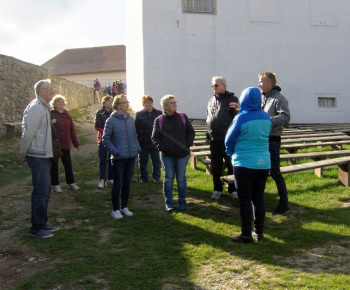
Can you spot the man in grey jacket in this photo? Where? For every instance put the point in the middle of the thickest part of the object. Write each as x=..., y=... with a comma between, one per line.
x=36, y=149
x=276, y=105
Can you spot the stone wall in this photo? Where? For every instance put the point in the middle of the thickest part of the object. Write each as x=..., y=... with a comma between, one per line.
x=17, y=79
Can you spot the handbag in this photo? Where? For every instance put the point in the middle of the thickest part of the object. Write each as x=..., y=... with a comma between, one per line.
x=56, y=147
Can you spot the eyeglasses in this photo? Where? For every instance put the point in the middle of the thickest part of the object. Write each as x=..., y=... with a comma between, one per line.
x=123, y=103
x=216, y=85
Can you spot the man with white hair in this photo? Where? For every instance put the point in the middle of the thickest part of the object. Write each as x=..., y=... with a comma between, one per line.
x=220, y=114
x=36, y=149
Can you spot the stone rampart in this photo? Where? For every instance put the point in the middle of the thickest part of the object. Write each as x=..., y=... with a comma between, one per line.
x=17, y=79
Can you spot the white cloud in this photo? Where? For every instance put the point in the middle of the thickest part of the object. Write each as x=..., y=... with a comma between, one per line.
x=37, y=30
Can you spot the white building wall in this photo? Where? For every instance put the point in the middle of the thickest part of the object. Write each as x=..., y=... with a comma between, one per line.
x=305, y=42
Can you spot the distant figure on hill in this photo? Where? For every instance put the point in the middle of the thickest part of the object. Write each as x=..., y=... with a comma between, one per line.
x=120, y=87
x=115, y=89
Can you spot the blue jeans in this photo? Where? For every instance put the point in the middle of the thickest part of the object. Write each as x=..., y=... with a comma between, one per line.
x=123, y=172
x=103, y=154
x=143, y=161
x=250, y=184
x=174, y=166
x=41, y=192
x=276, y=174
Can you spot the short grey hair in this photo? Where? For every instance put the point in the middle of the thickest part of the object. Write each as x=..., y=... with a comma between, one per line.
x=39, y=85
x=222, y=80
x=164, y=102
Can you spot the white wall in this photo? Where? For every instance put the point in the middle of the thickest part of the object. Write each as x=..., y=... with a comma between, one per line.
x=305, y=42
x=134, y=53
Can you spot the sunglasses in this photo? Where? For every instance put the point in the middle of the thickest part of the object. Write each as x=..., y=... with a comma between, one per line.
x=216, y=85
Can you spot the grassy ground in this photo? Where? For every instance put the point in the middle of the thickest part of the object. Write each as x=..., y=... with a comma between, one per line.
x=307, y=248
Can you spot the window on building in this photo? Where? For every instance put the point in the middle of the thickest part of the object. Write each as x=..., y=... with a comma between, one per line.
x=199, y=6
x=327, y=102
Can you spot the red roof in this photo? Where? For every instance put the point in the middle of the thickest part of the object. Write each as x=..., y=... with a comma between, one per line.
x=88, y=60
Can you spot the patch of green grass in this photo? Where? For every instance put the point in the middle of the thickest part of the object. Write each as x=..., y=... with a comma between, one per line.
x=153, y=249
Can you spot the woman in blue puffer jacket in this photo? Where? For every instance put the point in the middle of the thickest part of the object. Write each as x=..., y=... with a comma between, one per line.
x=119, y=137
x=247, y=142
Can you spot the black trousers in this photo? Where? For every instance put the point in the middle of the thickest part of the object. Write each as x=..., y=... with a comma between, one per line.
x=68, y=169
x=218, y=154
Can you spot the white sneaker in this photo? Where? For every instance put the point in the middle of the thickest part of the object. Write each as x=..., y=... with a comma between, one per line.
x=73, y=187
x=101, y=184
x=216, y=195
x=126, y=211
x=116, y=214
x=234, y=195
x=57, y=189
x=110, y=181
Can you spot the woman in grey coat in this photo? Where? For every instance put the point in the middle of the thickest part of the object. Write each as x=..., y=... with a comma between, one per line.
x=119, y=137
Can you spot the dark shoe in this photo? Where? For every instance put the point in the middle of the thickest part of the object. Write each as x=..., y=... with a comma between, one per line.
x=242, y=239
x=258, y=237
x=42, y=234
x=169, y=210
x=182, y=206
x=143, y=181
x=281, y=209
x=51, y=229
x=155, y=181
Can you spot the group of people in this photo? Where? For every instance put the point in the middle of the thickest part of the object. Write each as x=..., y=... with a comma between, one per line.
x=245, y=133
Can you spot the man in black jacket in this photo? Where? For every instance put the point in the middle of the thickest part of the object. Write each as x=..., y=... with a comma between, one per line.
x=220, y=113
x=144, y=120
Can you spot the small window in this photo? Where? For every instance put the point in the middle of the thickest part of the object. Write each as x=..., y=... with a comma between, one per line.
x=199, y=6
x=327, y=102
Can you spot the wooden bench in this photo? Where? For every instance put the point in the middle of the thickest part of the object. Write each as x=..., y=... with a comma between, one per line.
x=335, y=145
x=342, y=162
x=315, y=139
x=195, y=155
x=10, y=129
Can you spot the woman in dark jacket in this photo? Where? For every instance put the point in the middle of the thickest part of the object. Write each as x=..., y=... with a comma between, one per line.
x=100, y=119
x=173, y=135
x=65, y=130
x=144, y=121
x=120, y=139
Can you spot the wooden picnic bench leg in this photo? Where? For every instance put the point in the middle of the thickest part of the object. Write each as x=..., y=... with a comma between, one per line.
x=318, y=171
x=343, y=174
x=10, y=132
x=291, y=150
x=193, y=161
x=208, y=168
x=336, y=147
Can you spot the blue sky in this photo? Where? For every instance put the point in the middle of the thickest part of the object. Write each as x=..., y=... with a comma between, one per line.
x=37, y=30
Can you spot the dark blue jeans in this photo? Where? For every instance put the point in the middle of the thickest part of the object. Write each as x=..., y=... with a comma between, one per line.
x=41, y=192
x=276, y=174
x=143, y=161
x=218, y=154
x=250, y=184
x=123, y=172
x=104, y=155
